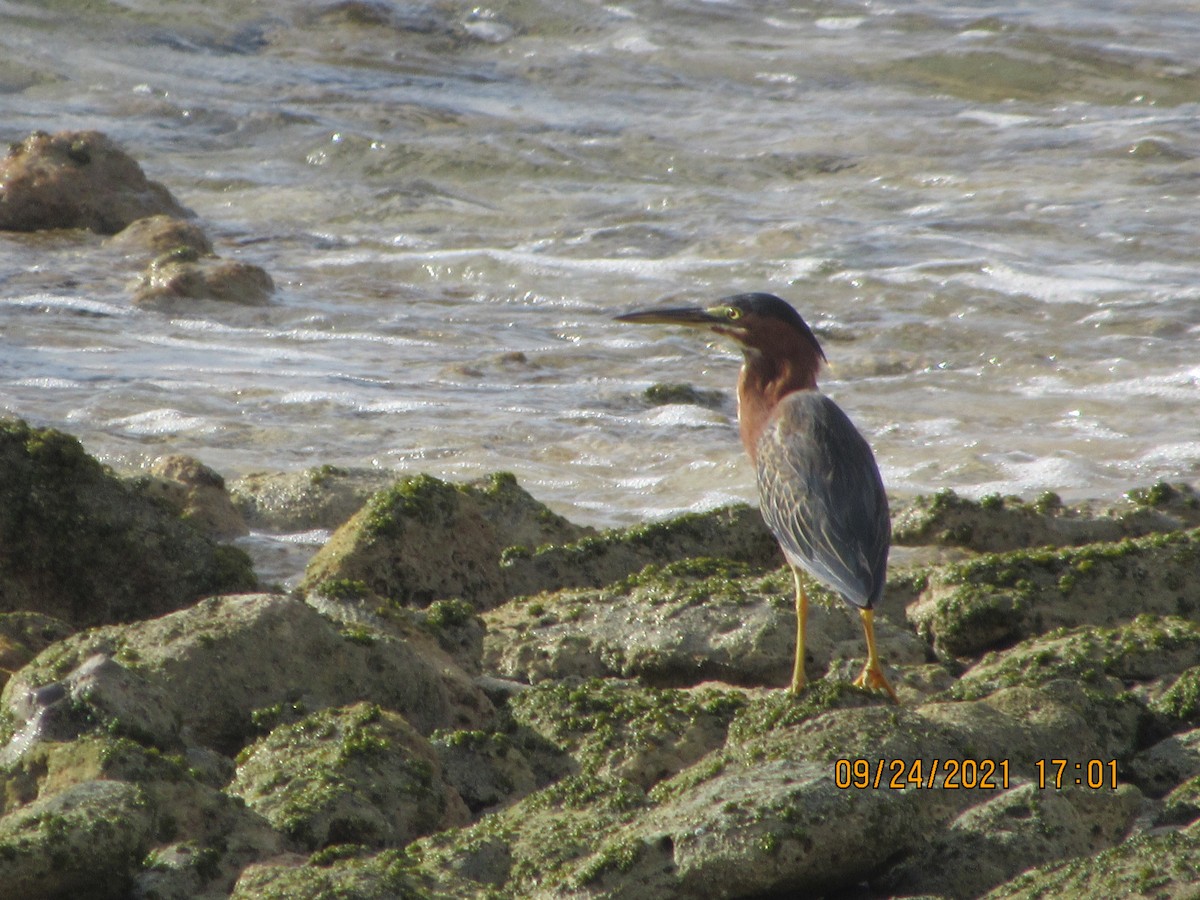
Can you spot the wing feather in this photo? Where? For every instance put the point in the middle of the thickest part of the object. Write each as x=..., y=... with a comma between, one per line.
x=822, y=496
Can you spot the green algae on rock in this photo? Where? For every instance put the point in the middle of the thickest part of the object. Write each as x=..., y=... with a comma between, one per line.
x=356, y=774
x=213, y=665
x=424, y=539
x=998, y=599
x=996, y=524
x=735, y=533
x=676, y=625
x=87, y=547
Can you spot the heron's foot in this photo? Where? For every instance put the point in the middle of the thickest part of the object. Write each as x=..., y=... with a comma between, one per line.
x=873, y=679
x=798, y=683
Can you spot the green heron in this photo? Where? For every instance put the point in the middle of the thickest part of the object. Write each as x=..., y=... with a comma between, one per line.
x=818, y=484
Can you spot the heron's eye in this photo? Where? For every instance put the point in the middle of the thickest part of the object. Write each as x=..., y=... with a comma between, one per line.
x=733, y=313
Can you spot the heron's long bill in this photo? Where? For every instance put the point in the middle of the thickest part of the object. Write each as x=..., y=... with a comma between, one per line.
x=682, y=315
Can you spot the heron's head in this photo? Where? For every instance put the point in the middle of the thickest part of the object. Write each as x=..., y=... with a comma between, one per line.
x=761, y=323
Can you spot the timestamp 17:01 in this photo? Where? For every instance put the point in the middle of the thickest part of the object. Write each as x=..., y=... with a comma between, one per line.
x=1092, y=773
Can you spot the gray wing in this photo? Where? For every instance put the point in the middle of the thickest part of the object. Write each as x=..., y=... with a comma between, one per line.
x=823, y=498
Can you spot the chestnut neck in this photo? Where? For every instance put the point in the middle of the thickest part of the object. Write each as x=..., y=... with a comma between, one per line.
x=766, y=378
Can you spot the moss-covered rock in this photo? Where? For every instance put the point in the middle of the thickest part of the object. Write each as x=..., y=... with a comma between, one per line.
x=352, y=775
x=996, y=600
x=626, y=731
x=682, y=624
x=23, y=635
x=424, y=539
x=86, y=841
x=86, y=547
x=735, y=533
x=996, y=524
x=218, y=665
x=1163, y=866
x=990, y=843
x=186, y=838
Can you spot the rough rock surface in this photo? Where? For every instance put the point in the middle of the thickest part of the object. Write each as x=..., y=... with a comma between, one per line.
x=181, y=276
x=151, y=237
x=84, y=546
x=76, y=179
x=197, y=494
x=324, y=497
x=352, y=775
x=424, y=539
x=616, y=732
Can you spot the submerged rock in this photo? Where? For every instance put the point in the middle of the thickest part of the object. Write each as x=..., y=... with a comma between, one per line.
x=323, y=497
x=181, y=276
x=151, y=237
x=86, y=547
x=76, y=179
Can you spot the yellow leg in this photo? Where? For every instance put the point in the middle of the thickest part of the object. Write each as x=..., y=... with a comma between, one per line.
x=801, y=620
x=872, y=677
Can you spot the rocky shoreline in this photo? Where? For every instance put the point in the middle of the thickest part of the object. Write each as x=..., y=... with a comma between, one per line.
x=469, y=696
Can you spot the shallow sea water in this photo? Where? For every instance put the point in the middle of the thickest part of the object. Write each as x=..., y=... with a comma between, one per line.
x=989, y=218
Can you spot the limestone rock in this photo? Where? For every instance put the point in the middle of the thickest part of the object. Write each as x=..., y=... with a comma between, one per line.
x=86, y=547
x=76, y=179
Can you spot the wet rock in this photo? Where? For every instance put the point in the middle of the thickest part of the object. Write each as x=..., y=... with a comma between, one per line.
x=178, y=278
x=663, y=394
x=228, y=666
x=85, y=841
x=324, y=497
x=682, y=624
x=23, y=635
x=76, y=179
x=197, y=494
x=735, y=533
x=424, y=539
x=86, y=547
x=151, y=237
x=354, y=775
x=998, y=524
x=998, y=599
